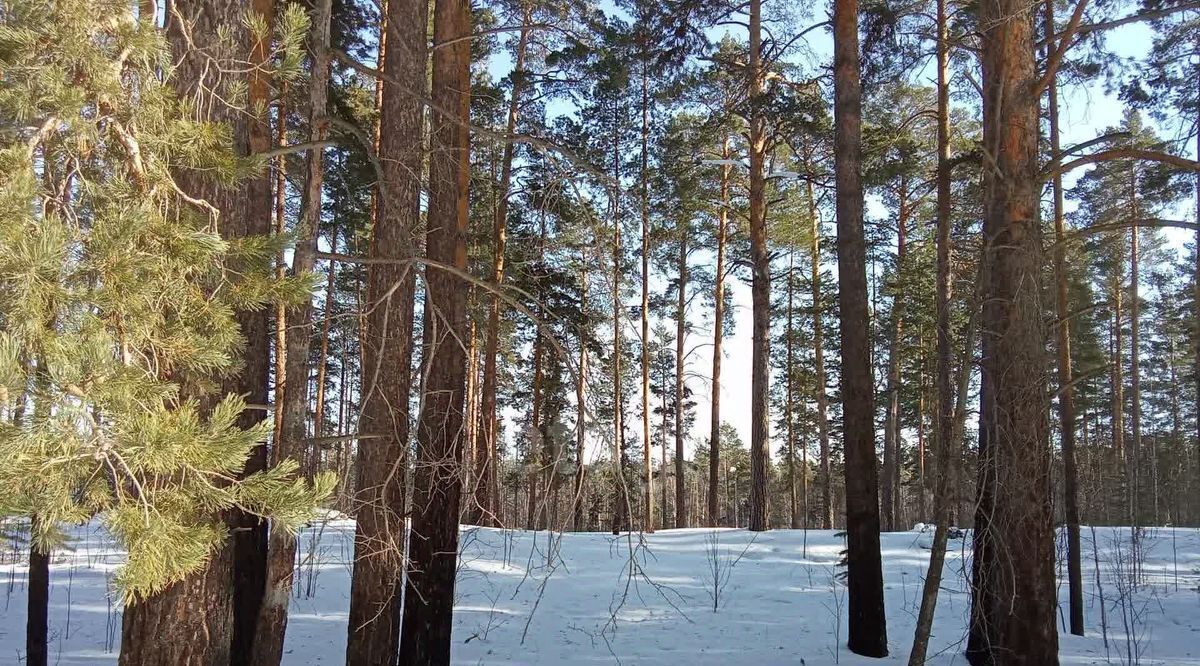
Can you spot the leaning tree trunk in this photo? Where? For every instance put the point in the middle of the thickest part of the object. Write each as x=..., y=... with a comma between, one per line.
x=819, y=367
x=208, y=617
x=433, y=544
x=387, y=346
x=1066, y=391
x=868, y=624
x=281, y=552
x=1013, y=609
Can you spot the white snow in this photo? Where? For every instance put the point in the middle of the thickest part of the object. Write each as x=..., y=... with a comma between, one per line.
x=536, y=598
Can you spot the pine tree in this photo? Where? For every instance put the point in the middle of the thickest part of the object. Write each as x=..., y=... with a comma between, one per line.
x=134, y=418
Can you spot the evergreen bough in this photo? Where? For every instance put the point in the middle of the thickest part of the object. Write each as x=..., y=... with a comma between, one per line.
x=118, y=294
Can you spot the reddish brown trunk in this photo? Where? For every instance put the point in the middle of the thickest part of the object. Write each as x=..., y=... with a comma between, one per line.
x=387, y=333
x=437, y=487
x=1013, y=609
x=485, y=494
x=647, y=468
x=868, y=624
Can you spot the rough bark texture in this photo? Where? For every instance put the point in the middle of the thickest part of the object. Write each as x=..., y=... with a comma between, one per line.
x=760, y=288
x=868, y=625
x=433, y=544
x=1013, y=610
x=281, y=553
x=1066, y=395
x=486, y=501
x=387, y=349
x=206, y=618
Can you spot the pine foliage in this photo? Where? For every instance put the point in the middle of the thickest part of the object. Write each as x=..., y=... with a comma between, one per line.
x=117, y=297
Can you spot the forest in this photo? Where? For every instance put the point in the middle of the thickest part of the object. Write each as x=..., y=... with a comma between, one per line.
x=420, y=332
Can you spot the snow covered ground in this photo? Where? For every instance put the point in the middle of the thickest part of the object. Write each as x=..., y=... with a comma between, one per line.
x=537, y=598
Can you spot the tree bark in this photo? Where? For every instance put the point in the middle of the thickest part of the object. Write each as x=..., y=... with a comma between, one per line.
x=387, y=347
x=1013, y=610
x=433, y=544
x=577, y=516
x=760, y=286
x=868, y=624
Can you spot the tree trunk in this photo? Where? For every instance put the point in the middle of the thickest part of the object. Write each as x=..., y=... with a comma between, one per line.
x=387, y=348
x=789, y=416
x=819, y=367
x=681, y=508
x=618, y=445
x=714, y=439
x=433, y=545
x=323, y=357
x=868, y=624
x=647, y=467
x=891, y=430
x=1012, y=617
x=281, y=552
x=1135, y=374
x=209, y=617
x=760, y=287
x=486, y=495
x=37, y=628
x=1066, y=395
x=577, y=518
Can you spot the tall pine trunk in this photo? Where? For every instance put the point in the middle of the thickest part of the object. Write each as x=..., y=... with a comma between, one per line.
x=868, y=625
x=818, y=340
x=890, y=486
x=1066, y=391
x=760, y=286
x=681, y=506
x=714, y=439
x=281, y=552
x=1013, y=609
x=644, y=176
x=387, y=346
x=437, y=482
x=485, y=495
